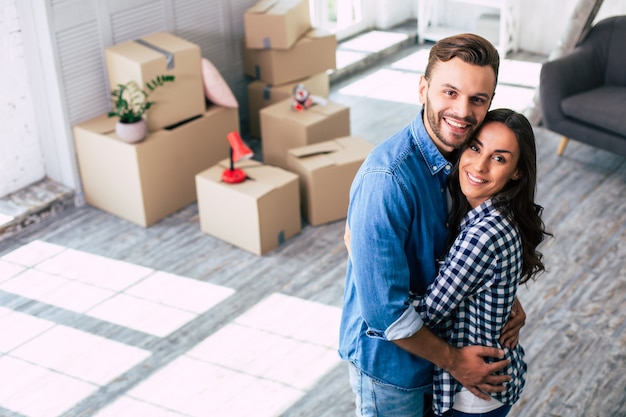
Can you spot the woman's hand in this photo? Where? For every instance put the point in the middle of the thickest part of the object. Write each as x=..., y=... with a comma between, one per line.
x=346, y=238
x=510, y=333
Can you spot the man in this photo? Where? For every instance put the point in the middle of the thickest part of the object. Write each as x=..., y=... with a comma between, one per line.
x=396, y=229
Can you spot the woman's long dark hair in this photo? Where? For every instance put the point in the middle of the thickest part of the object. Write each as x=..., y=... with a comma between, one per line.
x=517, y=197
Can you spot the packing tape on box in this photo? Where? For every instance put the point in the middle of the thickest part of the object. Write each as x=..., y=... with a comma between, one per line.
x=168, y=55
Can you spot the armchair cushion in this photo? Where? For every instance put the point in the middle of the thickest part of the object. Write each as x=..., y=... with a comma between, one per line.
x=603, y=107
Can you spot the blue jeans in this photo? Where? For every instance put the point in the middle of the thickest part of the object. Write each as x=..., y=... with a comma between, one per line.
x=377, y=399
x=500, y=412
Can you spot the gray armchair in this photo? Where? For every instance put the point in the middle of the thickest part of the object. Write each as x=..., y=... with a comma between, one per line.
x=583, y=93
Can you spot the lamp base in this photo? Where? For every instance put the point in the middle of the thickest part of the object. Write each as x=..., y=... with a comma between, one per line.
x=233, y=176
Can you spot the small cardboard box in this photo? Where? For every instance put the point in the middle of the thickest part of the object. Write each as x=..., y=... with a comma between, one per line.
x=326, y=171
x=146, y=181
x=162, y=53
x=276, y=24
x=261, y=95
x=256, y=215
x=313, y=53
x=283, y=128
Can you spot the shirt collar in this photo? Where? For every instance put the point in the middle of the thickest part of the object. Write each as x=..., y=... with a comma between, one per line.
x=474, y=215
x=432, y=156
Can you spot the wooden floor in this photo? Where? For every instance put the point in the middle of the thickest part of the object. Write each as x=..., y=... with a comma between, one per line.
x=575, y=337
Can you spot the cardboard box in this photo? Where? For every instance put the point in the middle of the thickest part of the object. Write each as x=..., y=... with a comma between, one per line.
x=276, y=24
x=313, y=53
x=326, y=171
x=283, y=128
x=256, y=215
x=261, y=95
x=161, y=53
x=146, y=181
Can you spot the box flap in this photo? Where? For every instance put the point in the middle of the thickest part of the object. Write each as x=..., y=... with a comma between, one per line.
x=260, y=179
x=330, y=108
x=313, y=114
x=336, y=152
x=322, y=148
x=102, y=125
x=317, y=33
x=354, y=148
x=169, y=42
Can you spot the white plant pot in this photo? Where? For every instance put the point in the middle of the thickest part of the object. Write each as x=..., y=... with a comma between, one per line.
x=131, y=132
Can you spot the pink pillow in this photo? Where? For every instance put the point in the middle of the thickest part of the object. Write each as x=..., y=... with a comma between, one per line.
x=215, y=88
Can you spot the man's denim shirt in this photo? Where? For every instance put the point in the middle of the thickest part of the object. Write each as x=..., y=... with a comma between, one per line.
x=397, y=218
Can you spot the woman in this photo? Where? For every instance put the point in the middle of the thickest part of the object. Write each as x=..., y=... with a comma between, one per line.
x=495, y=227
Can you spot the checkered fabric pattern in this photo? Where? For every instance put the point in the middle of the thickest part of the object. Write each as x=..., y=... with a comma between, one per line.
x=471, y=299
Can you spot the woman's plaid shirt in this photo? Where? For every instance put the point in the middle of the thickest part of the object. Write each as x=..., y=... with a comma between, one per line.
x=471, y=299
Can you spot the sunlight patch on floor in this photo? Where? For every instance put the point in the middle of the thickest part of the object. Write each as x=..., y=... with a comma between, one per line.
x=52, y=366
x=414, y=62
x=386, y=84
x=516, y=98
x=347, y=58
x=519, y=73
x=260, y=363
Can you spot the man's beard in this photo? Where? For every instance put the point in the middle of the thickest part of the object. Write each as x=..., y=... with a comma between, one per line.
x=435, y=120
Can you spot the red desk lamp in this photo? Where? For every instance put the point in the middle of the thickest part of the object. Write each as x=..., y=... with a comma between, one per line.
x=238, y=152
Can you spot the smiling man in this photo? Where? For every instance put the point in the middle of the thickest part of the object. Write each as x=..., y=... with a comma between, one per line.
x=397, y=230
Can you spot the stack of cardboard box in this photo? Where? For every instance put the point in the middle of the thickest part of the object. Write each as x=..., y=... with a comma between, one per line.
x=281, y=50
x=146, y=181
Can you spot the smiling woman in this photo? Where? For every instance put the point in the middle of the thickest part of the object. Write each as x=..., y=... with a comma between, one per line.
x=496, y=227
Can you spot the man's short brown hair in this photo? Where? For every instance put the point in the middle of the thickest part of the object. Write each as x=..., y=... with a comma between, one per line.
x=469, y=47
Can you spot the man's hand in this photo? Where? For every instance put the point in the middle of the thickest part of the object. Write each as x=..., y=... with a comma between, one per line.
x=470, y=369
x=467, y=365
x=510, y=333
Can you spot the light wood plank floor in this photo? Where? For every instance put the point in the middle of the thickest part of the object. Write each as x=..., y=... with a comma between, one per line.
x=575, y=335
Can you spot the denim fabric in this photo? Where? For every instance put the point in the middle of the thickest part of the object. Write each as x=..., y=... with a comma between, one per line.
x=499, y=412
x=376, y=399
x=397, y=218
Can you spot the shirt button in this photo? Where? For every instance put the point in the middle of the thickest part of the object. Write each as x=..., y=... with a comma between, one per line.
x=448, y=167
x=434, y=167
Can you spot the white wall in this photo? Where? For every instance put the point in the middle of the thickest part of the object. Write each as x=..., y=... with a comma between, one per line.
x=542, y=22
x=21, y=161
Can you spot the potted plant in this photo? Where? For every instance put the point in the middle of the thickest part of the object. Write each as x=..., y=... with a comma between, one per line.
x=130, y=102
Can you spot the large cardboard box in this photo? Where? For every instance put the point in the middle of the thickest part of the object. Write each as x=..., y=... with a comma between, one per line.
x=313, y=53
x=146, y=181
x=276, y=24
x=326, y=171
x=261, y=95
x=162, y=53
x=256, y=215
x=283, y=128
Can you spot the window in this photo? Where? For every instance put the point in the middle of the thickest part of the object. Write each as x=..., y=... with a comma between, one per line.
x=344, y=18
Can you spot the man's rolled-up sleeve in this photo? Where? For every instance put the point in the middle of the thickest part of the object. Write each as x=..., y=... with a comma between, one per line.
x=379, y=227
